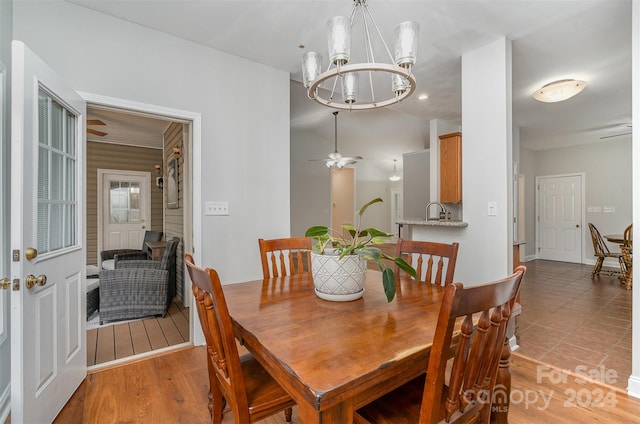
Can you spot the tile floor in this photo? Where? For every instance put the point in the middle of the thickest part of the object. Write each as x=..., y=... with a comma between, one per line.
x=569, y=319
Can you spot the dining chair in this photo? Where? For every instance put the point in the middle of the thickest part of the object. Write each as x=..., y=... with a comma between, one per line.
x=241, y=382
x=472, y=378
x=601, y=252
x=429, y=259
x=626, y=258
x=285, y=256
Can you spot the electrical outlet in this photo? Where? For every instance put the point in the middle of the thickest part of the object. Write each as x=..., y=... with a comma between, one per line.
x=216, y=208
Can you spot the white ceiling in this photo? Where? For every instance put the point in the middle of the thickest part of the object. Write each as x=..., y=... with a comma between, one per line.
x=583, y=39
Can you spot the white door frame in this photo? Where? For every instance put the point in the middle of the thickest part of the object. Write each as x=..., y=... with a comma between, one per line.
x=5, y=295
x=582, y=214
x=192, y=212
x=145, y=176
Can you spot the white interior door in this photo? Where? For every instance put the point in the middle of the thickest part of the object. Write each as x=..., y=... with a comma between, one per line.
x=48, y=346
x=125, y=208
x=560, y=218
x=396, y=209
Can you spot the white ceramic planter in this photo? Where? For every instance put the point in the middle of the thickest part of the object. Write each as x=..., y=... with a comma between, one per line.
x=339, y=280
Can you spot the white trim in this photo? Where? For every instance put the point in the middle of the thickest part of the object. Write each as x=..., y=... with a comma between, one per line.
x=633, y=387
x=192, y=238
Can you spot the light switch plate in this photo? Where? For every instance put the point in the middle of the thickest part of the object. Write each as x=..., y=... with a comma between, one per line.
x=216, y=208
x=594, y=209
x=492, y=208
x=609, y=209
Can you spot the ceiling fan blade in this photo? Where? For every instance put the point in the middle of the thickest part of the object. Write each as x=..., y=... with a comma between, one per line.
x=615, y=135
x=95, y=122
x=96, y=132
x=352, y=158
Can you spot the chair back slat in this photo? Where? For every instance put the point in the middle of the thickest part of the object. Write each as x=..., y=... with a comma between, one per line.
x=285, y=256
x=599, y=246
x=224, y=360
x=478, y=351
x=425, y=255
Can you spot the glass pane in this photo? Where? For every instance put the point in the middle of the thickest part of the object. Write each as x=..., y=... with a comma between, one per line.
x=125, y=202
x=57, y=125
x=55, y=228
x=57, y=176
x=43, y=118
x=43, y=173
x=57, y=173
x=43, y=227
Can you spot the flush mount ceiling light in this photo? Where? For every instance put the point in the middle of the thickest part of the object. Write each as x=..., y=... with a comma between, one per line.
x=345, y=76
x=395, y=176
x=558, y=91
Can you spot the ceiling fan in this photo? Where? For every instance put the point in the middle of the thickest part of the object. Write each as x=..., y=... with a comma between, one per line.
x=95, y=132
x=335, y=159
x=623, y=132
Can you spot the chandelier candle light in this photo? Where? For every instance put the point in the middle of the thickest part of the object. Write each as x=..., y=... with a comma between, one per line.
x=400, y=84
x=395, y=176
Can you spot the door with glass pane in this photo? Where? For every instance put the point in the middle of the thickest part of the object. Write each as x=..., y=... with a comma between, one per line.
x=48, y=299
x=125, y=206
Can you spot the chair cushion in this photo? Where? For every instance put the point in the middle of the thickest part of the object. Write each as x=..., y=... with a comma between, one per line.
x=108, y=264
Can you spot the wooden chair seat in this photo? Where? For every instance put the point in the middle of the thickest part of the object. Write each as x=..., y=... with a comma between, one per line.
x=467, y=395
x=241, y=383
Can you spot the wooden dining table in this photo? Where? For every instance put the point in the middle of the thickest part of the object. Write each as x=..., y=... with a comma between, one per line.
x=334, y=357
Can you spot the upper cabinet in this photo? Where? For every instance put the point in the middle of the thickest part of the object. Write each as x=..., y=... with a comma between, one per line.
x=451, y=168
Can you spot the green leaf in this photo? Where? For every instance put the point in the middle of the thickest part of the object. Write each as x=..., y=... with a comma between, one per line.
x=374, y=232
x=365, y=206
x=370, y=253
x=316, y=231
x=389, y=283
x=349, y=228
x=405, y=267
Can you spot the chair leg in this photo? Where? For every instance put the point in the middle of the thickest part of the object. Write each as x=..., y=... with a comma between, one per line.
x=597, y=267
x=287, y=415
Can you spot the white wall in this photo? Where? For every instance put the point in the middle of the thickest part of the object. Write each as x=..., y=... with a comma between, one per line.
x=244, y=157
x=607, y=167
x=5, y=136
x=634, y=379
x=486, y=244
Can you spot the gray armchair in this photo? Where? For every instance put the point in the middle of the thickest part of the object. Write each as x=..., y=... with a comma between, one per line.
x=139, y=288
x=109, y=255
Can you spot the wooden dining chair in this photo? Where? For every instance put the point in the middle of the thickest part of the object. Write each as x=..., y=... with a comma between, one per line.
x=241, y=382
x=626, y=258
x=428, y=259
x=601, y=252
x=285, y=256
x=472, y=377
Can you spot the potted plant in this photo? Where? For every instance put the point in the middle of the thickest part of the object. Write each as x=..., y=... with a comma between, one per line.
x=348, y=255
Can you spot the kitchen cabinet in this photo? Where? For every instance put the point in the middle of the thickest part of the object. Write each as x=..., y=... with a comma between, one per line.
x=451, y=168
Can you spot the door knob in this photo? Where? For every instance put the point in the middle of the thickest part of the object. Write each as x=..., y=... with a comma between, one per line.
x=577, y=225
x=5, y=283
x=31, y=253
x=32, y=280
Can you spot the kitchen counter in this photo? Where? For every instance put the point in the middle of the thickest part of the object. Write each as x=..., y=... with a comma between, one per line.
x=432, y=223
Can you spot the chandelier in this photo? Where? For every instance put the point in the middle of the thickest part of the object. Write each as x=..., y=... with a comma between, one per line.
x=395, y=176
x=345, y=76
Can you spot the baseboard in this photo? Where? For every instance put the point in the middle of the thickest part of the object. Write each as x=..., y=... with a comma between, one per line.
x=633, y=387
x=513, y=343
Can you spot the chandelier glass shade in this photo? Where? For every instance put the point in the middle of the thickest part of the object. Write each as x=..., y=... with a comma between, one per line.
x=389, y=82
x=395, y=176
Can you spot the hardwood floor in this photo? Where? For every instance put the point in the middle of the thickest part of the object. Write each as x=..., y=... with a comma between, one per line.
x=173, y=388
x=122, y=340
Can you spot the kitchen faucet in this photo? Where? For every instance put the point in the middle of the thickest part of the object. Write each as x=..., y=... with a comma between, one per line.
x=441, y=215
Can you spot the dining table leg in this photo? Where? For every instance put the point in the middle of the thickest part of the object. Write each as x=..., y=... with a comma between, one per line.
x=339, y=414
x=502, y=391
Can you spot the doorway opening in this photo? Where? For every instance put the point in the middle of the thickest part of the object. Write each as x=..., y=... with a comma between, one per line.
x=142, y=142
